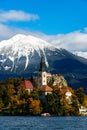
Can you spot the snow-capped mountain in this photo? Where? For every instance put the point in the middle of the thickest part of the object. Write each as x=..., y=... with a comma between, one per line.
x=21, y=56
x=21, y=46
x=23, y=52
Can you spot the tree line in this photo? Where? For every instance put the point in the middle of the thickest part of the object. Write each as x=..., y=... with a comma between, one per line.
x=20, y=102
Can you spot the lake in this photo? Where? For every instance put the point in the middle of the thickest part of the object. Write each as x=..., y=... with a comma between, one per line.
x=42, y=123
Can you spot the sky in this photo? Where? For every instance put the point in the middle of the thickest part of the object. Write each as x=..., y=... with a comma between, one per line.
x=60, y=22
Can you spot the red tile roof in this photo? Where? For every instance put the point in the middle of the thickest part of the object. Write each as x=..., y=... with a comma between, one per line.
x=27, y=84
x=45, y=88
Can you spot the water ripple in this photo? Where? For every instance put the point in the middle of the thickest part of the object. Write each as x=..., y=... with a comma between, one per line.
x=42, y=123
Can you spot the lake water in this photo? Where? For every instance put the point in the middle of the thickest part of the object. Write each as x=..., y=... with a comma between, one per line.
x=42, y=123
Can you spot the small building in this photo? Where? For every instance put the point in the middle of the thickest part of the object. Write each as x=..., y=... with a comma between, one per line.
x=83, y=110
x=44, y=90
x=27, y=85
x=68, y=95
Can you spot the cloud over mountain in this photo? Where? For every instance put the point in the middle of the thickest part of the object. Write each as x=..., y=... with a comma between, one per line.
x=72, y=41
x=7, y=32
x=75, y=42
x=80, y=53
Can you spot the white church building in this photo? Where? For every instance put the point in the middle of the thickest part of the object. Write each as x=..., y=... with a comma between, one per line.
x=43, y=88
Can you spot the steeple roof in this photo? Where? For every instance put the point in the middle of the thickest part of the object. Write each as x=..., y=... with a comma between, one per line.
x=42, y=68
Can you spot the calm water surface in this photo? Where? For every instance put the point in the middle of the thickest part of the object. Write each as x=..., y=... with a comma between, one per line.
x=42, y=123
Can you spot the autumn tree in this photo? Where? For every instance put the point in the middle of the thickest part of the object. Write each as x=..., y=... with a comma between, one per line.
x=80, y=95
x=85, y=101
x=54, y=103
x=34, y=107
x=75, y=105
x=34, y=94
x=23, y=94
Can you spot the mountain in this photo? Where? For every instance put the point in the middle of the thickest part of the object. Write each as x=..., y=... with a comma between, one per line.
x=20, y=56
x=21, y=49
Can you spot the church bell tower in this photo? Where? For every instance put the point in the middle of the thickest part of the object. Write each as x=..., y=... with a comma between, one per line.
x=42, y=76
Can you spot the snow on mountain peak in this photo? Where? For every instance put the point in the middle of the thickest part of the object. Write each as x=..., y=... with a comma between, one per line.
x=23, y=45
x=21, y=41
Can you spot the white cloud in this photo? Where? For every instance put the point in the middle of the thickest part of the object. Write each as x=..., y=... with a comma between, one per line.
x=7, y=32
x=74, y=41
x=13, y=15
x=81, y=54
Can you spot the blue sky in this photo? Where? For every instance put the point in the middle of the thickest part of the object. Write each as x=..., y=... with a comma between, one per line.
x=55, y=16
x=61, y=22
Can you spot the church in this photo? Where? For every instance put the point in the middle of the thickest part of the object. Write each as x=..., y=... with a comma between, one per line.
x=59, y=80
x=43, y=88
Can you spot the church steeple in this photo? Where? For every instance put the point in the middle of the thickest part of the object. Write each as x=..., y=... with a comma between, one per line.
x=42, y=75
x=42, y=68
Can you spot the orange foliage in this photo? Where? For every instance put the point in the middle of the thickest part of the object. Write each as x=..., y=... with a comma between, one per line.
x=34, y=106
x=85, y=101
